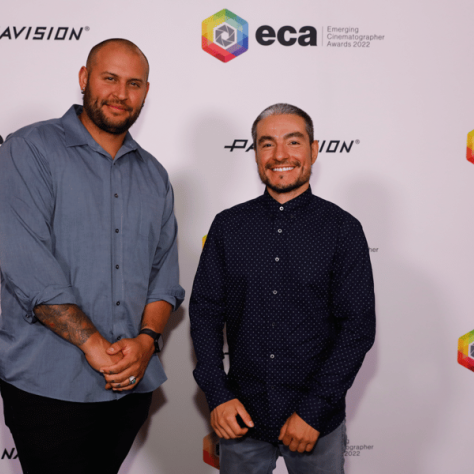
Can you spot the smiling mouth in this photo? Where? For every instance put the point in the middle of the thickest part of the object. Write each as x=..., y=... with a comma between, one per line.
x=285, y=168
x=118, y=107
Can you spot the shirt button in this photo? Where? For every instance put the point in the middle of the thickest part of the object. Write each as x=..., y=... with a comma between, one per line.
x=118, y=303
x=116, y=231
x=118, y=338
x=117, y=267
x=275, y=292
x=280, y=231
x=272, y=356
x=116, y=195
x=277, y=259
x=281, y=208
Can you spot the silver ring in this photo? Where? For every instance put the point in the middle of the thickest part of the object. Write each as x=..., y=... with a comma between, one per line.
x=132, y=379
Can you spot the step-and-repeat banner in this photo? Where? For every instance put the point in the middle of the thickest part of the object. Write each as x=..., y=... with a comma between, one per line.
x=390, y=88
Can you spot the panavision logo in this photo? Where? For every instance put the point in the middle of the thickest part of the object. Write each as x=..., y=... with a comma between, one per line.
x=225, y=35
x=9, y=454
x=466, y=350
x=325, y=146
x=470, y=147
x=54, y=33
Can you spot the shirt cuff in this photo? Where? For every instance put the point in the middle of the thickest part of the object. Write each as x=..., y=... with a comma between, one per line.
x=316, y=411
x=172, y=296
x=49, y=296
x=218, y=396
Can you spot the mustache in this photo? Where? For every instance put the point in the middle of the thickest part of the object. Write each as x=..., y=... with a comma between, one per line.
x=117, y=102
x=282, y=164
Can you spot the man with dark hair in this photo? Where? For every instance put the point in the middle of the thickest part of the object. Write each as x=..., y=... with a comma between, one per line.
x=288, y=274
x=89, y=274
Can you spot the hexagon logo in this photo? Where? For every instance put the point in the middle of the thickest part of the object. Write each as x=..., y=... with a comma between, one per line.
x=210, y=450
x=225, y=35
x=466, y=350
x=470, y=147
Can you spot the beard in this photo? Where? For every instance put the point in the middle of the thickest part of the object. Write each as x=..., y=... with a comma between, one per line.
x=285, y=188
x=94, y=111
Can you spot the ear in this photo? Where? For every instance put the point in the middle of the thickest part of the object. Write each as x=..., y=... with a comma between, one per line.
x=83, y=76
x=314, y=151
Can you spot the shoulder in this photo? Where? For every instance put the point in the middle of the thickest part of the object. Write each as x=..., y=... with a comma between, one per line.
x=329, y=211
x=245, y=210
x=157, y=170
x=36, y=133
x=33, y=144
x=235, y=217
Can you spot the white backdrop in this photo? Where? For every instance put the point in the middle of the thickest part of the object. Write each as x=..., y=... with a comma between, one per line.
x=405, y=101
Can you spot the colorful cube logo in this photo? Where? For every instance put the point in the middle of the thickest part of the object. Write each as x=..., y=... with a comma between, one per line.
x=470, y=147
x=210, y=450
x=466, y=350
x=225, y=35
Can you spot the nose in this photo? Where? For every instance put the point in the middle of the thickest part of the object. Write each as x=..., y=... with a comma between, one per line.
x=121, y=91
x=281, y=152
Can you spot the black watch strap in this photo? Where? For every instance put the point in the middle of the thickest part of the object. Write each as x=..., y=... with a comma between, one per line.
x=157, y=339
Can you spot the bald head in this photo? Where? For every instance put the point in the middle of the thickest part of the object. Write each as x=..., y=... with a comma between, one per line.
x=119, y=42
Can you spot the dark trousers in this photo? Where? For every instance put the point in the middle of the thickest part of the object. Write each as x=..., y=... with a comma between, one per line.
x=59, y=437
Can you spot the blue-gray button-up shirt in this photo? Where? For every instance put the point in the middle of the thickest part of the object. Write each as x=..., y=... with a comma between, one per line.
x=77, y=227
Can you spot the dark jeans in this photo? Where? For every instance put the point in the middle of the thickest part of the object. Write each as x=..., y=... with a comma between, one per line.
x=59, y=437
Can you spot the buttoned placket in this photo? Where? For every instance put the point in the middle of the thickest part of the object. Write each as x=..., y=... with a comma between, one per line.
x=116, y=197
x=278, y=239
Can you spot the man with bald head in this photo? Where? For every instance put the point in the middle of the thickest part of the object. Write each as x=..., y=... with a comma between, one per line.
x=89, y=273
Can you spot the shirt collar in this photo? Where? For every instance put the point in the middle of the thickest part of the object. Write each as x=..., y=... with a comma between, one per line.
x=296, y=204
x=76, y=134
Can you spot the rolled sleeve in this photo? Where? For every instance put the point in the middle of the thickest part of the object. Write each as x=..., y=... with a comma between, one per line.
x=26, y=211
x=164, y=276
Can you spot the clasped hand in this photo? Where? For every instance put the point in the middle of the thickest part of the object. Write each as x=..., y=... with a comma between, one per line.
x=298, y=435
x=136, y=354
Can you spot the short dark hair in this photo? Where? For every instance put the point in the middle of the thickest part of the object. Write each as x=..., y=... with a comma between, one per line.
x=284, y=109
x=123, y=42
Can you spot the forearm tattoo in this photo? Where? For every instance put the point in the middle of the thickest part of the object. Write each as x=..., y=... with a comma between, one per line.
x=66, y=320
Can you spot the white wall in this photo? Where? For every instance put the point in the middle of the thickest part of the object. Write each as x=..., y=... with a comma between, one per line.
x=408, y=101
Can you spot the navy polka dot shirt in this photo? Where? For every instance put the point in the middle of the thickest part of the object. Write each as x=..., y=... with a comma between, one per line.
x=292, y=284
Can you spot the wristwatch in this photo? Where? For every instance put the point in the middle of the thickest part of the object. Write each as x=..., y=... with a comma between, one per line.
x=157, y=339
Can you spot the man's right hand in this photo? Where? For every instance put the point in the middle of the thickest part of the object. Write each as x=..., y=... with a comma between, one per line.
x=224, y=419
x=69, y=322
x=95, y=351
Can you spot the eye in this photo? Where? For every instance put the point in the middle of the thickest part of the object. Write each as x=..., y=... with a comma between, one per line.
x=135, y=84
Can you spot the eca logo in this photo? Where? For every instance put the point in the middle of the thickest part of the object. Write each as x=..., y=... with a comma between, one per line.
x=466, y=350
x=470, y=147
x=225, y=35
x=287, y=36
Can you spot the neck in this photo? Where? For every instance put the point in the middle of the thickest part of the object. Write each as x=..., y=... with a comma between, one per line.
x=285, y=197
x=108, y=141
